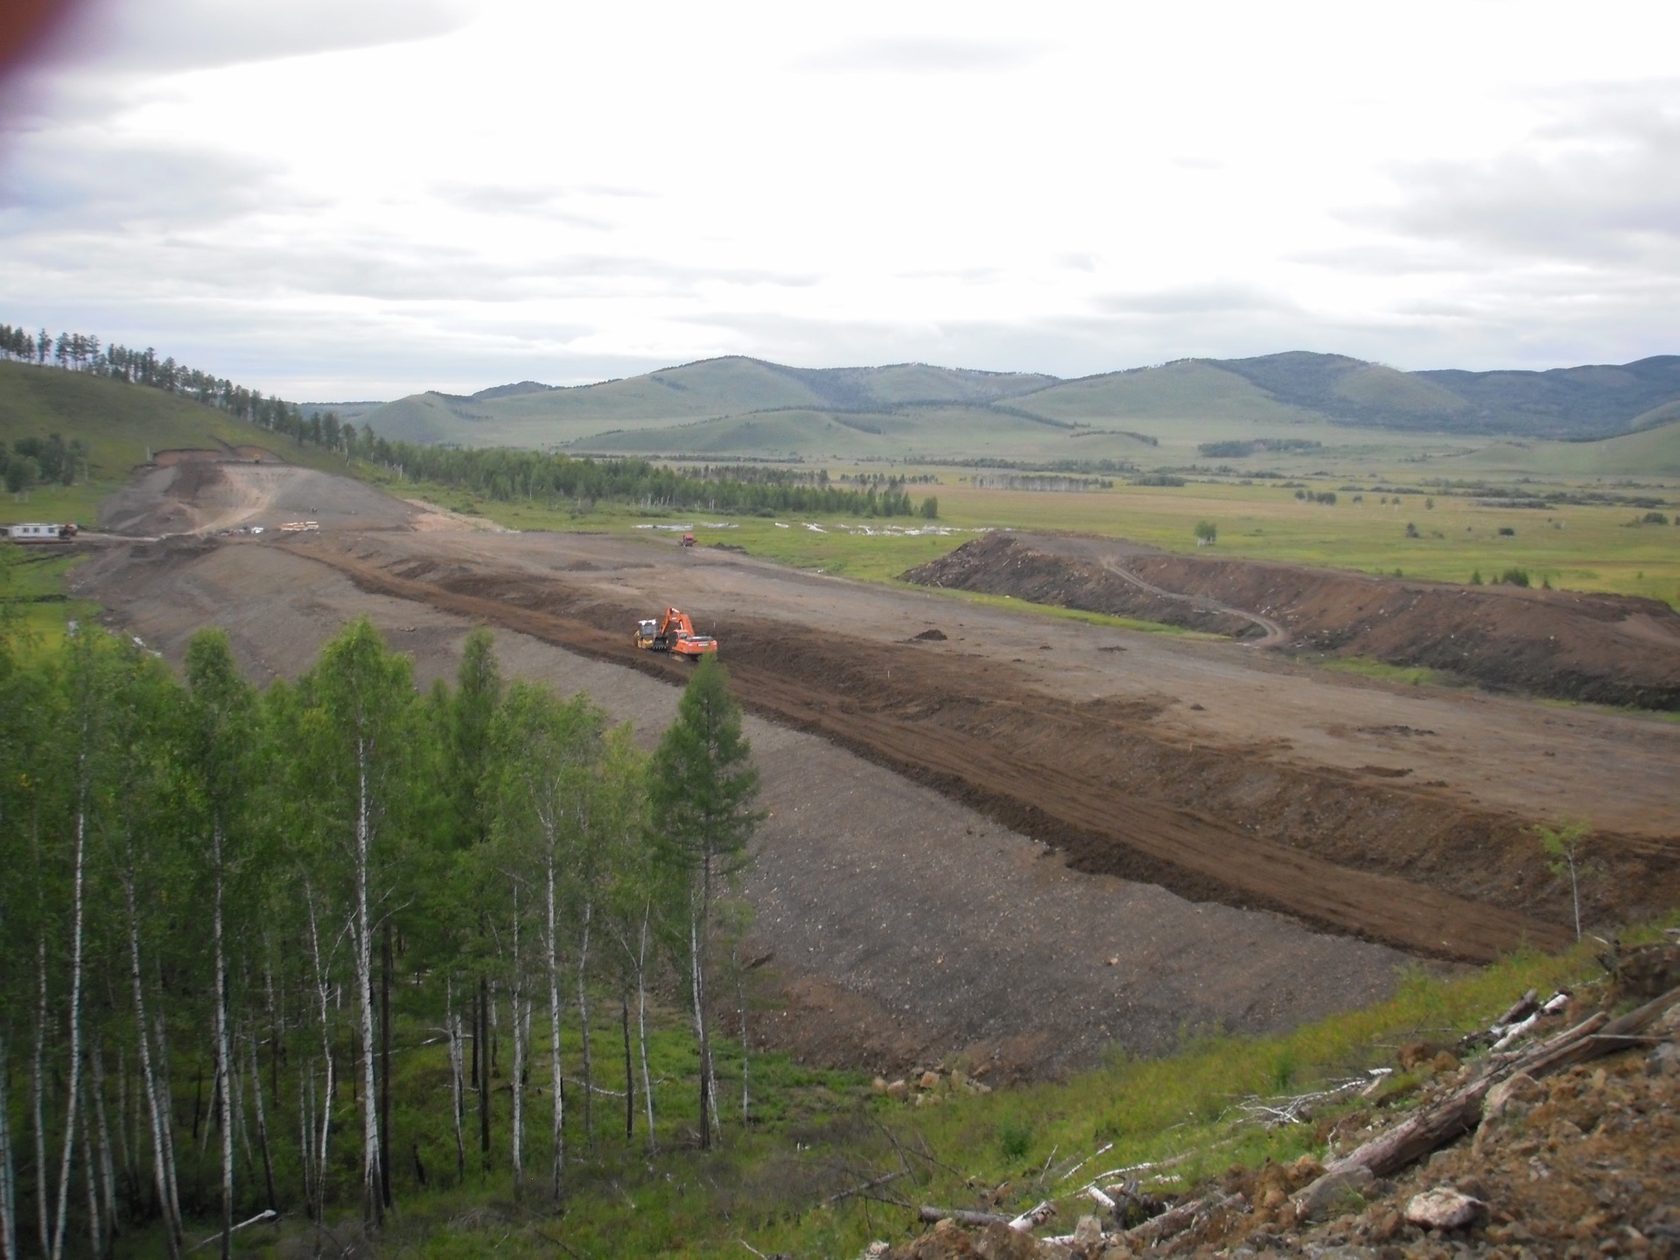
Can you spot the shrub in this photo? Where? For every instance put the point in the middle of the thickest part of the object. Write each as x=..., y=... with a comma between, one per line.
x=1411, y=530
x=1206, y=531
x=1014, y=1139
x=1514, y=577
x=1507, y=531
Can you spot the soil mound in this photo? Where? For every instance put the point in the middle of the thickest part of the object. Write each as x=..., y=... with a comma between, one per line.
x=1006, y=564
x=1609, y=649
x=207, y=491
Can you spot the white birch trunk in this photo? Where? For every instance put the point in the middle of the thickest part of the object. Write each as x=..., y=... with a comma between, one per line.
x=126, y=1138
x=324, y=991
x=241, y=1125
x=457, y=1114
x=107, y=1165
x=224, y=1073
x=262, y=1119
x=166, y=1116
x=373, y=1200
x=696, y=975
x=700, y=932
x=73, y=1092
x=306, y=1135
x=555, y=1068
x=518, y=1081
x=583, y=1021
x=90, y=1182
x=641, y=1025
x=148, y=1078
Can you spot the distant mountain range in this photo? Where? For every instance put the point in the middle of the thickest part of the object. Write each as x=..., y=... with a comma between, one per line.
x=730, y=407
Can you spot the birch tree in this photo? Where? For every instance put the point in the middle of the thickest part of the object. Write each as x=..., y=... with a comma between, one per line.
x=363, y=697
x=145, y=857
x=24, y=709
x=639, y=887
x=546, y=751
x=468, y=789
x=702, y=788
x=219, y=730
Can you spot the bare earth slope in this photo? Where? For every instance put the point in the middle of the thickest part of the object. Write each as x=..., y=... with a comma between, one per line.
x=1020, y=808
x=1612, y=649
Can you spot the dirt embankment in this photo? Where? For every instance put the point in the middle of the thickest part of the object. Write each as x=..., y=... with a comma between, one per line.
x=1609, y=649
x=1100, y=785
x=906, y=922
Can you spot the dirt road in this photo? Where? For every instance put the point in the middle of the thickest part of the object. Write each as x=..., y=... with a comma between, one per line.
x=1031, y=839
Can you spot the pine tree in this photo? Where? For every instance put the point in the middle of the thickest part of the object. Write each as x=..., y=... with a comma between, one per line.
x=703, y=786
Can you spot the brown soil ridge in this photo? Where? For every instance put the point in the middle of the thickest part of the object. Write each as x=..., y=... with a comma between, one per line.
x=1041, y=766
x=1606, y=649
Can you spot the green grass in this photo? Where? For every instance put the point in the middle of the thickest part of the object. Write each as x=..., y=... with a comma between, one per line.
x=1587, y=548
x=819, y=1133
x=121, y=425
x=1365, y=667
x=32, y=584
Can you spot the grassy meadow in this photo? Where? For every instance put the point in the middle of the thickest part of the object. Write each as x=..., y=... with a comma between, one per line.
x=1575, y=547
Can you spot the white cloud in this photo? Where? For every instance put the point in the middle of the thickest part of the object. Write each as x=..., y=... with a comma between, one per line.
x=555, y=192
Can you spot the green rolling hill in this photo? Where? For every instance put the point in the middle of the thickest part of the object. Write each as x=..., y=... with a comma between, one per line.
x=544, y=417
x=1189, y=390
x=736, y=406
x=121, y=424
x=920, y=432
x=1589, y=401
x=1649, y=452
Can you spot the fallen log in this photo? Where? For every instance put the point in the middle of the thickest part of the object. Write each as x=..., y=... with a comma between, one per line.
x=267, y=1214
x=1033, y=1217
x=1179, y=1218
x=1024, y=1223
x=1461, y=1111
x=930, y=1215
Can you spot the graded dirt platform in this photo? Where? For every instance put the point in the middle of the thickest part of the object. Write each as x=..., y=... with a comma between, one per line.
x=1020, y=844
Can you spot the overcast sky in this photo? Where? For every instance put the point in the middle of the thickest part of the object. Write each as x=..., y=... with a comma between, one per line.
x=352, y=199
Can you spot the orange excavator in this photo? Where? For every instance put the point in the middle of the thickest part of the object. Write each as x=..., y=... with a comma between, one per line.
x=673, y=633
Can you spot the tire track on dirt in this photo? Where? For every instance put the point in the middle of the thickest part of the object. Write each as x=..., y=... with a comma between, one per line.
x=1185, y=851
x=1275, y=635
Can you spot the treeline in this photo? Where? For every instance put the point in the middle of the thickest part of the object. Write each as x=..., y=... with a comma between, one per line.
x=79, y=352
x=1040, y=482
x=1235, y=448
x=497, y=473
x=33, y=461
x=231, y=916
x=505, y=474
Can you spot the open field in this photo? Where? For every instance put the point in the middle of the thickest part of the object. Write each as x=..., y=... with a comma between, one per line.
x=957, y=821
x=1586, y=547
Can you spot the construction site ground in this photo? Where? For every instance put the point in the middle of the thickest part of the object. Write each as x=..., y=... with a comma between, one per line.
x=993, y=837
